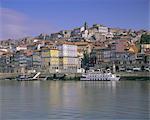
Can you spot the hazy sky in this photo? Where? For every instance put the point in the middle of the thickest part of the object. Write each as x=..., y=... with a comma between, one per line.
x=19, y=18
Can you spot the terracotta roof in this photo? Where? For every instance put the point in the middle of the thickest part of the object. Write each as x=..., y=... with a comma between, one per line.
x=133, y=48
x=7, y=53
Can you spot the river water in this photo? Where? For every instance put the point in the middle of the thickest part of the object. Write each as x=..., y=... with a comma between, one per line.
x=73, y=100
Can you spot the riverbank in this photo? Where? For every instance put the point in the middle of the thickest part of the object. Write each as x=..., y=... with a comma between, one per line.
x=8, y=75
x=134, y=75
x=76, y=76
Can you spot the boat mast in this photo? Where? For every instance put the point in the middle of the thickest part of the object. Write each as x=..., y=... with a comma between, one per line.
x=114, y=67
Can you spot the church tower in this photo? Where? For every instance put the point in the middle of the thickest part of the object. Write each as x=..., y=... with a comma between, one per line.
x=85, y=26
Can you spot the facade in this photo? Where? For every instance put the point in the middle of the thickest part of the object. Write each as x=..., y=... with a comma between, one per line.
x=7, y=63
x=56, y=36
x=145, y=48
x=116, y=53
x=66, y=33
x=36, y=60
x=99, y=37
x=100, y=57
x=100, y=29
x=22, y=62
x=104, y=46
x=50, y=59
x=68, y=58
x=23, y=47
x=54, y=60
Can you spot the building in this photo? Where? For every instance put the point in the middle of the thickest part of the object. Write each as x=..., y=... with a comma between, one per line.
x=55, y=36
x=99, y=28
x=36, y=60
x=50, y=59
x=54, y=60
x=23, y=61
x=65, y=33
x=119, y=53
x=21, y=47
x=100, y=57
x=68, y=59
x=7, y=63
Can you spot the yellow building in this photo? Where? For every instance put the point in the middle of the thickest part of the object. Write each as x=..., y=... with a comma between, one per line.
x=50, y=59
x=54, y=60
x=68, y=58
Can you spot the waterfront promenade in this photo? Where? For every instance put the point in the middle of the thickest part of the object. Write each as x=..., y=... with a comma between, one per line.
x=78, y=75
x=8, y=75
x=138, y=74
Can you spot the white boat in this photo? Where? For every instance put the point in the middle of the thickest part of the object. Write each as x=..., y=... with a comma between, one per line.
x=25, y=78
x=99, y=76
x=29, y=78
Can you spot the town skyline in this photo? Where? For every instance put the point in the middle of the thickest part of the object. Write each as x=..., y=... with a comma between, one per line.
x=75, y=27
x=29, y=18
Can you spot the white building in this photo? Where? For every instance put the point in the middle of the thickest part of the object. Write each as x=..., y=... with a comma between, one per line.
x=85, y=34
x=68, y=58
x=98, y=31
x=67, y=50
x=102, y=29
x=23, y=47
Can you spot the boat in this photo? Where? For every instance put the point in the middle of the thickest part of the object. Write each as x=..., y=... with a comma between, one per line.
x=29, y=78
x=99, y=76
x=25, y=78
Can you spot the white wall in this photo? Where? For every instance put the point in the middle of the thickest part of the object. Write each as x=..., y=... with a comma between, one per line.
x=68, y=50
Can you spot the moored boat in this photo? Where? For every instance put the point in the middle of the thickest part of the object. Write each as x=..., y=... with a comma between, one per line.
x=25, y=78
x=29, y=78
x=99, y=76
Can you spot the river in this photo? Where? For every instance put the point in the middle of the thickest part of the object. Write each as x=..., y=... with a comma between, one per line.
x=73, y=100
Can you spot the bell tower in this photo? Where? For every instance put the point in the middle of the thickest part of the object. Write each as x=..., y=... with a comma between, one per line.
x=85, y=26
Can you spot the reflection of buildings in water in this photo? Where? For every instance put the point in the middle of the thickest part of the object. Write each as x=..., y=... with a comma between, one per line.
x=69, y=93
x=98, y=83
x=55, y=91
x=110, y=85
x=29, y=91
x=36, y=83
x=100, y=95
x=29, y=86
x=33, y=87
x=63, y=93
x=26, y=83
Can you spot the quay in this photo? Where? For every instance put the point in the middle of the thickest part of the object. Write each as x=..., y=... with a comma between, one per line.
x=8, y=75
x=134, y=75
x=76, y=76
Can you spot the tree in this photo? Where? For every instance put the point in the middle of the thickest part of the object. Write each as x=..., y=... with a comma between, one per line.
x=145, y=39
x=85, y=60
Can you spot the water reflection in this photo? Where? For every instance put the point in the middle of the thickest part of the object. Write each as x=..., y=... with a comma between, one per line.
x=74, y=100
x=63, y=94
x=100, y=84
x=109, y=85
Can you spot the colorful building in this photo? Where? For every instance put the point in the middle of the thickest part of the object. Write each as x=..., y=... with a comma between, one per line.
x=68, y=58
x=50, y=59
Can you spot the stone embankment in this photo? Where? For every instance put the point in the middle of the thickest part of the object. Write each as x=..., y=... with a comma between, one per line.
x=134, y=75
x=8, y=75
x=76, y=76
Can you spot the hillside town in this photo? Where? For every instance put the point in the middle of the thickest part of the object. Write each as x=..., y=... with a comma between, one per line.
x=77, y=50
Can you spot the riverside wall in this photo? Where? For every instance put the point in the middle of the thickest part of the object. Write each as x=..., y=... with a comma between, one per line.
x=134, y=75
x=71, y=76
x=8, y=75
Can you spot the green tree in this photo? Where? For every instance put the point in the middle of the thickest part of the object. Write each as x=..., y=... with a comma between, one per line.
x=85, y=60
x=145, y=39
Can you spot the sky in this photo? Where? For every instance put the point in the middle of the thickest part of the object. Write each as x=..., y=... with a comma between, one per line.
x=20, y=18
